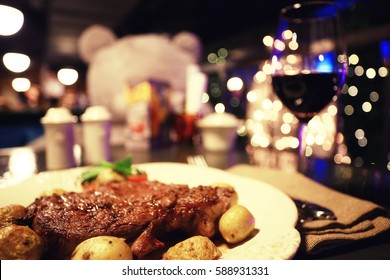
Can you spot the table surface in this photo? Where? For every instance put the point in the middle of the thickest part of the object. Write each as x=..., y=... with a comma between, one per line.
x=364, y=183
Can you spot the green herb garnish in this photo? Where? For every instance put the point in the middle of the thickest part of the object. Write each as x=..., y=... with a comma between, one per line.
x=123, y=167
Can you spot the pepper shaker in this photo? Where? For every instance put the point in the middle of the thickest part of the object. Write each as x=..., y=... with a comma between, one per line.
x=96, y=127
x=59, y=136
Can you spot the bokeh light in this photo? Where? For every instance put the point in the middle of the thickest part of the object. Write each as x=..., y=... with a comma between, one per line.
x=235, y=84
x=11, y=20
x=21, y=84
x=16, y=62
x=67, y=76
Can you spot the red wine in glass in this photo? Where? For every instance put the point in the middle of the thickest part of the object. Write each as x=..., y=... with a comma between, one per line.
x=309, y=61
x=306, y=94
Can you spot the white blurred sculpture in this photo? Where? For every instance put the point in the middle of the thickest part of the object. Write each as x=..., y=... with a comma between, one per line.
x=116, y=63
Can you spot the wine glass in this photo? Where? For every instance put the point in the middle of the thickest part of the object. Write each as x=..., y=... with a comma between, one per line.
x=309, y=61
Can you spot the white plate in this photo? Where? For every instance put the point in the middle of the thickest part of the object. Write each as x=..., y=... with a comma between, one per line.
x=275, y=213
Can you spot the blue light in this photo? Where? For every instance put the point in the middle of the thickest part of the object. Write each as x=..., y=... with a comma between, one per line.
x=385, y=49
x=324, y=62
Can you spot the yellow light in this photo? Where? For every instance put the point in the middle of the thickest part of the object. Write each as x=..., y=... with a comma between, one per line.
x=342, y=58
x=268, y=41
x=260, y=77
x=219, y=108
x=222, y=52
x=297, y=5
x=11, y=20
x=16, y=62
x=383, y=72
x=288, y=117
x=370, y=73
x=308, y=151
x=327, y=146
x=346, y=160
x=353, y=91
x=260, y=140
x=205, y=97
x=258, y=127
x=319, y=139
x=310, y=139
x=286, y=142
x=251, y=96
x=353, y=59
x=235, y=84
x=287, y=34
x=339, y=158
x=366, y=106
x=268, y=68
x=221, y=61
x=267, y=104
x=277, y=105
x=258, y=115
x=294, y=142
x=293, y=45
x=212, y=58
x=285, y=128
x=21, y=84
x=279, y=45
x=359, y=133
x=292, y=58
x=332, y=110
x=67, y=76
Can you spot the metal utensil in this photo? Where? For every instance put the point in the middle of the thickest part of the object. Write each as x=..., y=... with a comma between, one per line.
x=308, y=211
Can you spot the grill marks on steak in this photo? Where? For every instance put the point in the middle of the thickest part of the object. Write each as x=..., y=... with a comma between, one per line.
x=139, y=212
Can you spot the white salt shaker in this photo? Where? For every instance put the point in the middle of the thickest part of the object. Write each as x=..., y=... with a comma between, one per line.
x=96, y=125
x=218, y=131
x=60, y=139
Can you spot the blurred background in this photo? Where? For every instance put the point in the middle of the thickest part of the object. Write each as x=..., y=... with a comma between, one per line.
x=236, y=37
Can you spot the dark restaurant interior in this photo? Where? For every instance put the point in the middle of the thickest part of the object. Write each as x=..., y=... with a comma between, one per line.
x=228, y=45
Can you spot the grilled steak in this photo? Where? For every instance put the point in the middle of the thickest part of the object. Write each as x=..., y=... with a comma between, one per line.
x=139, y=212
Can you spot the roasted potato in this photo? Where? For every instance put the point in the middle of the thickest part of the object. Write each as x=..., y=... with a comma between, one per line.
x=102, y=248
x=194, y=248
x=9, y=214
x=236, y=224
x=20, y=243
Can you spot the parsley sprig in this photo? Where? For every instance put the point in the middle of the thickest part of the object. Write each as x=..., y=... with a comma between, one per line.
x=123, y=167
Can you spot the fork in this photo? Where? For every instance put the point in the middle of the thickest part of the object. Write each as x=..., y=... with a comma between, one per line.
x=197, y=160
x=307, y=211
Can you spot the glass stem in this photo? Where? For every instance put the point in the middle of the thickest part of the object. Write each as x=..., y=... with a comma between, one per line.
x=302, y=160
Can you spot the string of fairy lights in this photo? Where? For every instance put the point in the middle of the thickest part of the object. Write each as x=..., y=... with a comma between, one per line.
x=269, y=124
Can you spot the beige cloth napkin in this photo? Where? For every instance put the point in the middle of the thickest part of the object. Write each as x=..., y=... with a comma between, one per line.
x=356, y=218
